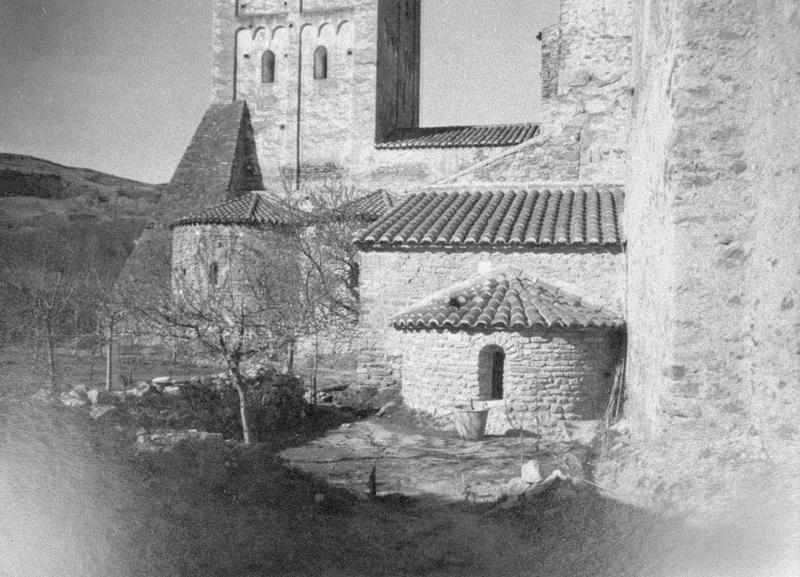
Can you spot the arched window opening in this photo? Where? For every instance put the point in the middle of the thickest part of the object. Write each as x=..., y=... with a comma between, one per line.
x=491, y=368
x=213, y=274
x=320, y=63
x=268, y=67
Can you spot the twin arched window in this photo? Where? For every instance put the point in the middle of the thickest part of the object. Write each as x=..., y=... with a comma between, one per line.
x=268, y=67
x=320, y=63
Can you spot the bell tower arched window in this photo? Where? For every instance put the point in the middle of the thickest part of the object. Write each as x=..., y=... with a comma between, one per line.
x=320, y=63
x=268, y=67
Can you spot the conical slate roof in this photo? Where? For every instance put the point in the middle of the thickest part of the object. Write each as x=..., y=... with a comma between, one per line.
x=503, y=300
x=220, y=162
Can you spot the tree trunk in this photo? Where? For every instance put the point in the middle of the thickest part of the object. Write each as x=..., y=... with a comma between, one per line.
x=51, y=358
x=290, y=358
x=109, y=353
x=237, y=379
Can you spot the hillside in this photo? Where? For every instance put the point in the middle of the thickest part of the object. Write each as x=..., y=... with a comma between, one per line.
x=73, y=215
x=32, y=188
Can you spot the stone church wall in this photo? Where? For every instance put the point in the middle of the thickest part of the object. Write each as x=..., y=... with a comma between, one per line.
x=555, y=374
x=724, y=335
x=394, y=280
x=712, y=221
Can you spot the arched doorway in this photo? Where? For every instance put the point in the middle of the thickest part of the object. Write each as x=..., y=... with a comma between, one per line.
x=491, y=369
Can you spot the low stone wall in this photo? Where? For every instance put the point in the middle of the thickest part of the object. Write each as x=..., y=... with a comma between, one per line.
x=553, y=374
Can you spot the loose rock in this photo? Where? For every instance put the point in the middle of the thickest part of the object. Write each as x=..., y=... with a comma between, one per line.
x=98, y=411
x=530, y=472
x=74, y=398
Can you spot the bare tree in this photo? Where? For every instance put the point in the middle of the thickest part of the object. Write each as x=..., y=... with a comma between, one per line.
x=39, y=296
x=235, y=303
x=330, y=255
x=108, y=307
x=330, y=268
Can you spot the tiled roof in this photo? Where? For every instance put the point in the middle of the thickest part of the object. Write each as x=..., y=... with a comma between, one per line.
x=459, y=136
x=368, y=208
x=503, y=300
x=524, y=215
x=253, y=209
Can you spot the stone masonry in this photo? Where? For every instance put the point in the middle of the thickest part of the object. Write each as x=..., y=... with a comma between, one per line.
x=235, y=251
x=713, y=222
x=548, y=374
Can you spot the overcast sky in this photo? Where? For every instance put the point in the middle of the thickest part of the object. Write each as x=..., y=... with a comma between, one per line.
x=120, y=85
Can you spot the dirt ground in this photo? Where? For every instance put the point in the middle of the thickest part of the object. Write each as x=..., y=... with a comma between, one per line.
x=428, y=463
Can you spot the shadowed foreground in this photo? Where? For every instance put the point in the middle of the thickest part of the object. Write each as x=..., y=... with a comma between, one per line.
x=76, y=501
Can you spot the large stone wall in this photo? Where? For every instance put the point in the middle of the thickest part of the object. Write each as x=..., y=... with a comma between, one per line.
x=716, y=120
x=555, y=374
x=712, y=221
x=394, y=280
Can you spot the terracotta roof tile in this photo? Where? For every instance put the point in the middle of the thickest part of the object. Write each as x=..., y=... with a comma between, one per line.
x=503, y=300
x=459, y=136
x=256, y=208
x=368, y=208
x=524, y=215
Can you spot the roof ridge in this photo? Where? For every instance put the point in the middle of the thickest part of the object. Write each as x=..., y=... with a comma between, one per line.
x=251, y=213
x=521, y=183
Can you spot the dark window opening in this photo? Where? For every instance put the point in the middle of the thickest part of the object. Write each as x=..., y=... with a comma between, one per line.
x=320, y=63
x=268, y=67
x=498, y=359
x=491, y=369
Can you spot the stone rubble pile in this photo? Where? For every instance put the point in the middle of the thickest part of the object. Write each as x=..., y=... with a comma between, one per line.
x=165, y=440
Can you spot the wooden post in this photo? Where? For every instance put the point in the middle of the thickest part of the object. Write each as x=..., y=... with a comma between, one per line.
x=110, y=353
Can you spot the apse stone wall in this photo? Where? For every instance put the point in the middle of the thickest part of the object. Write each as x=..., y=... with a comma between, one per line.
x=553, y=374
x=238, y=252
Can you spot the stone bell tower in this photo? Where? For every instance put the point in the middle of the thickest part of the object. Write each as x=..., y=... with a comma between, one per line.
x=334, y=91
